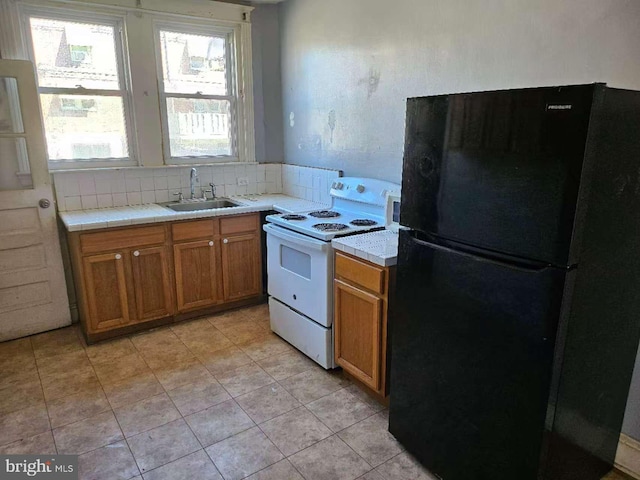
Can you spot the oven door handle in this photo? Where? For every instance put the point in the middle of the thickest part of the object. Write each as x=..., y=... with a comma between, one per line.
x=296, y=238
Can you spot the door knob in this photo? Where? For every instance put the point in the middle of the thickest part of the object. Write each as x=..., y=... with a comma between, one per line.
x=118, y=256
x=211, y=243
x=225, y=241
x=136, y=253
x=44, y=203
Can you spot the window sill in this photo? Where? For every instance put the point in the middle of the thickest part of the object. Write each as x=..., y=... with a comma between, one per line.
x=137, y=167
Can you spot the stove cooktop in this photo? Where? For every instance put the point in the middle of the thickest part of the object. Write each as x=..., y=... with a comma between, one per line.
x=333, y=223
x=358, y=206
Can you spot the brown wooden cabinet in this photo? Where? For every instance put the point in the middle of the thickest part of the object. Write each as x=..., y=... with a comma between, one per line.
x=241, y=268
x=123, y=277
x=152, y=282
x=132, y=276
x=241, y=265
x=196, y=274
x=106, y=291
x=360, y=320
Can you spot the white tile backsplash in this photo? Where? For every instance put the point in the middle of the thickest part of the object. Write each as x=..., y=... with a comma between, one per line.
x=309, y=183
x=136, y=186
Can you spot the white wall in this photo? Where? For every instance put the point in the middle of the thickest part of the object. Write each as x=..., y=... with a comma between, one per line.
x=348, y=67
x=267, y=85
x=361, y=59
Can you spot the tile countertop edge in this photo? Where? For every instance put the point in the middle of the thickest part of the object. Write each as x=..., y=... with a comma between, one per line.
x=83, y=220
x=379, y=247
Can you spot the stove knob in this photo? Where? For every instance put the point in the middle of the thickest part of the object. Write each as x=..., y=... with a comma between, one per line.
x=340, y=186
x=334, y=185
x=360, y=188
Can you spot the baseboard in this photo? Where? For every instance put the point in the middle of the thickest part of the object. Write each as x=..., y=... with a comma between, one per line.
x=75, y=315
x=628, y=456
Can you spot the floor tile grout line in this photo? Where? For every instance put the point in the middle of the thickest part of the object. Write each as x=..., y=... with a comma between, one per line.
x=201, y=449
x=44, y=400
x=253, y=361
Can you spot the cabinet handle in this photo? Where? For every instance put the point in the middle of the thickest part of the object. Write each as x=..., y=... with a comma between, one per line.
x=211, y=243
x=226, y=240
x=118, y=256
x=136, y=253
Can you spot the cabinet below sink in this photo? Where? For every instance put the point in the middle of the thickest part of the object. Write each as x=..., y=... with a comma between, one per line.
x=132, y=278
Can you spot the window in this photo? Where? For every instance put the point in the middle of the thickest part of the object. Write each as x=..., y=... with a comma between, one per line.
x=83, y=102
x=100, y=99
x=196, y=95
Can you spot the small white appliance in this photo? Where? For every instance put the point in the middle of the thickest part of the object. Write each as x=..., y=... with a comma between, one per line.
x=300, y=261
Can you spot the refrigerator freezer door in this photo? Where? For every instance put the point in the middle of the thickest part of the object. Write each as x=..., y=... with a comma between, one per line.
x=497, y=170
x=472, y=343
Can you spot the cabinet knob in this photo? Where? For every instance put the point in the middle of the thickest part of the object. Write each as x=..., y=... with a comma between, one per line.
x=136, y=253
x=211, y=243
x=226, y=240
x=118, y=256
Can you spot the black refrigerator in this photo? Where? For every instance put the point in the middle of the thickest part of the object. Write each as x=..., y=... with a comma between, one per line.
x=517, y=309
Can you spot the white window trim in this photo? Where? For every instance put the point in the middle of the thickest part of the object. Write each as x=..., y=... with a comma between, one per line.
x=206, y=13
x=234, y=94
x=124, y=91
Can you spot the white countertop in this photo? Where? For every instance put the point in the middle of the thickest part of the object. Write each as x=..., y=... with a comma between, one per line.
x=152, y=213
x=380, y=247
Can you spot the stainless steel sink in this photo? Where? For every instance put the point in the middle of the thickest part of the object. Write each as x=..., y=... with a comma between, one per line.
x=205, y=205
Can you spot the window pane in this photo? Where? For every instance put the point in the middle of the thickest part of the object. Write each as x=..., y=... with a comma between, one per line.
x=193, y=63
x=83, y=127
x=69, y=54
x=199, y=127
x=15, y=173
x=10, y=115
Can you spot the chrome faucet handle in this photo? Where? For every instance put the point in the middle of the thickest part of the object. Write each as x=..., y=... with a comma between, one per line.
x=179, y=195
x=213, y=190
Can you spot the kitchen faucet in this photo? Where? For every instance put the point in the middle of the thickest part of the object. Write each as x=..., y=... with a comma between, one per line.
x=193, y=178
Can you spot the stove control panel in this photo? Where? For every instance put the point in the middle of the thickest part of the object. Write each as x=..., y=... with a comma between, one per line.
x=363, y=190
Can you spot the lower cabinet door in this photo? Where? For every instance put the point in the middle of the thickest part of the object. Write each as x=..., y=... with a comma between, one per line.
x=358, y=332
x=241, y=266
x=196, y=274
x=106, y=291
x=151, y=283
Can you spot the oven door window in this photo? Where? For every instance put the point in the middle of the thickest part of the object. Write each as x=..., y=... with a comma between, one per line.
x=295, y=261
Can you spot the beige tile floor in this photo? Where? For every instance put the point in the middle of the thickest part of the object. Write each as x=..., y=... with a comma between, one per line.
x=220, y=397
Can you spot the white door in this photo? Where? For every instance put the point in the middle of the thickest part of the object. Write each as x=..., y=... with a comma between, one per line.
x=33, y=292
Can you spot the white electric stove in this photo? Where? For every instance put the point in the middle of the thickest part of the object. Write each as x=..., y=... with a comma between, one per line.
x=300, y=261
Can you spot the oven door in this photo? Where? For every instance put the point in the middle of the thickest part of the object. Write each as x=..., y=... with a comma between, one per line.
x=300, y=272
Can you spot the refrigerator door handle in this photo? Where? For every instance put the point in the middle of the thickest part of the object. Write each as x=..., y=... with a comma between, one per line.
x=515, y=265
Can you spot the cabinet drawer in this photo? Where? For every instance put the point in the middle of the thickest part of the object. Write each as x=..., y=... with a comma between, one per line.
x=241, y=223
x=360, y=273
x=120, y=239
x=194, y=230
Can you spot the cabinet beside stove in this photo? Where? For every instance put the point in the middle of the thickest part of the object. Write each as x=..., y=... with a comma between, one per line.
x=361, y=310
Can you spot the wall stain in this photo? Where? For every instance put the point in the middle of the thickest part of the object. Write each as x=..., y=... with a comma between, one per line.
x=372, y=81
x=332, y=123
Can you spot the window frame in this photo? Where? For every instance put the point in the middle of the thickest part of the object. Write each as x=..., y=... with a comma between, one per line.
x=233, y=77
x=98, y=17
x=146, y=146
